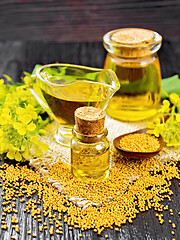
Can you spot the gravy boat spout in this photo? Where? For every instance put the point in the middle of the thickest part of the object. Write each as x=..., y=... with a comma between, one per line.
x=62, y=88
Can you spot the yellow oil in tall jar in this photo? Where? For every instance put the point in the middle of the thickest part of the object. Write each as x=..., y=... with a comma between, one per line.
x=136, y=64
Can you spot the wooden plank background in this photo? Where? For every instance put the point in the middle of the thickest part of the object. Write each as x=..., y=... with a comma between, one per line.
x=19, y=56
x=85, y=20
x=48, y=31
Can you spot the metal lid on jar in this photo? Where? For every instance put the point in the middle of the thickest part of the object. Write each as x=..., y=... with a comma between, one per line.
x=132, y=42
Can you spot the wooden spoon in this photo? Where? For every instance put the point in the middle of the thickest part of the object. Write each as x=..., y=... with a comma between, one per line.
x=132, y=154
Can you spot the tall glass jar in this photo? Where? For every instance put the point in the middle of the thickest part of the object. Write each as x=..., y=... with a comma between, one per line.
x=132, y=54
x=89, y=145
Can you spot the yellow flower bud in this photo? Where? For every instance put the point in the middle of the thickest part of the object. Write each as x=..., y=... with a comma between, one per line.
x=174, y=98
x=178, y=117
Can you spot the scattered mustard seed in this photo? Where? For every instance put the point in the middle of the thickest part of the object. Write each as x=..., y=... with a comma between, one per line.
x=161, y=221
x=13, y=220
x=166, y=207
x=28, y=182
x=51, y=230
x=4, y=227
x=173, y=225
x=40, y=228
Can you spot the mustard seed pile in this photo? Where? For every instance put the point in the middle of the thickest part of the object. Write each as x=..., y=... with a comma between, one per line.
x=132, y=187
x=139, y=142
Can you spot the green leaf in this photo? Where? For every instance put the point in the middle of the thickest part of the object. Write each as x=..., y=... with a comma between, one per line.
x=53, y=71
x=91, y=76
x=35, y=68
x=60, y=75
x=170, y=85
x=8, y=78
x=27, y=73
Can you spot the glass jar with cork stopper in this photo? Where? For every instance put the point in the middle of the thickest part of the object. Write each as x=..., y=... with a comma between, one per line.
x=132, y=54
x=90, y=145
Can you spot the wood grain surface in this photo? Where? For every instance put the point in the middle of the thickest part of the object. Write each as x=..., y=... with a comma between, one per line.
x=85, y=20
x=18, y=56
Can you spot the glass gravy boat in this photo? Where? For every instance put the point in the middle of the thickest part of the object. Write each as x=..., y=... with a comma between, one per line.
x=61, y=88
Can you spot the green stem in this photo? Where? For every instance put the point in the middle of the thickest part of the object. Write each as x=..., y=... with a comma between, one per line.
x=42, y=124
x=172, y=115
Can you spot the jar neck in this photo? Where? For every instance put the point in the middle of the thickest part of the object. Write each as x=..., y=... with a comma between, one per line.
x=90, y=138
x=139, y=62
x=132, y=52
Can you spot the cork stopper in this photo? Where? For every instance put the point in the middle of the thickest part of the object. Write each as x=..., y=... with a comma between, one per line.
x=133, y=36
x=89, y=120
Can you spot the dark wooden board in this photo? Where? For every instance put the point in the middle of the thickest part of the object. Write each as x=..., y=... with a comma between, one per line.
x=18, y=56
x=87, y=20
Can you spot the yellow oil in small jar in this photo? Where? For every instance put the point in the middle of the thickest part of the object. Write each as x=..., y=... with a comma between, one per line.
x=89, y=145
x=137, y=67
x=90, y=165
